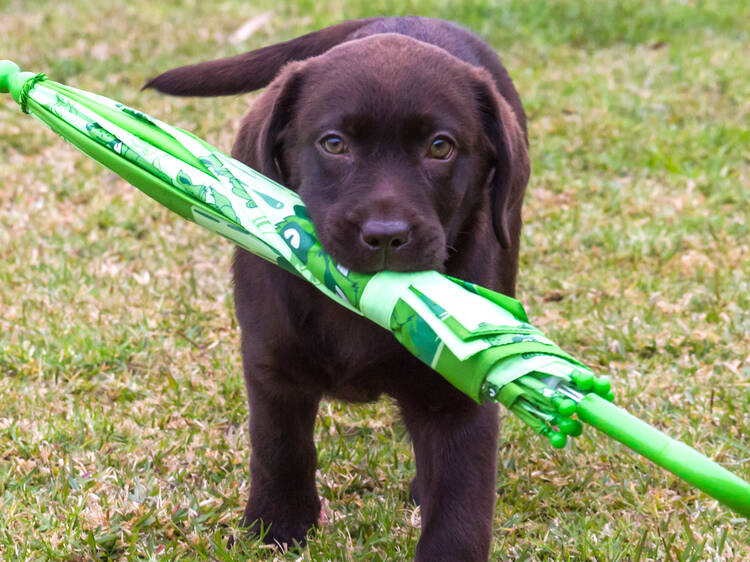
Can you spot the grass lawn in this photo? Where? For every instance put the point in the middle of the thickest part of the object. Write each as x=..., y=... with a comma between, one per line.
x=122, y=406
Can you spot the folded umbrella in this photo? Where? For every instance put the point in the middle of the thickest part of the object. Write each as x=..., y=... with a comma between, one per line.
x=479, y=340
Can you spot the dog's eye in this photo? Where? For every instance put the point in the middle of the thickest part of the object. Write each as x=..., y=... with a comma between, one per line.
x=441, y=148
x=333, y=144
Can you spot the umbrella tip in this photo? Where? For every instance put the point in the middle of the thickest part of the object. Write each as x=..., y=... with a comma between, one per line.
x=7, y=69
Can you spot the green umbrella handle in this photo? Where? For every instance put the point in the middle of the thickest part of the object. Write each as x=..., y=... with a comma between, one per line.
x=676, y=457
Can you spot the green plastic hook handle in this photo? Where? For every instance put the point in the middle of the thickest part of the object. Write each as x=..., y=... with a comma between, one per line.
x=676, y=457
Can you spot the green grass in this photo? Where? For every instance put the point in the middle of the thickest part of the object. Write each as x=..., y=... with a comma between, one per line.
x=122, y=407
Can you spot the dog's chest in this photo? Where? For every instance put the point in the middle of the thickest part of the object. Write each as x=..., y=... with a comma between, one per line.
x=298, y=336
x=356, y=360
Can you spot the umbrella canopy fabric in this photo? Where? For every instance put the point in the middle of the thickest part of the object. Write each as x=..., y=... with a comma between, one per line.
x=461, y=330
x=479, y=340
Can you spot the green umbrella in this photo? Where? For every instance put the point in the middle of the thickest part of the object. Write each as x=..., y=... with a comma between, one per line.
x=479, y=340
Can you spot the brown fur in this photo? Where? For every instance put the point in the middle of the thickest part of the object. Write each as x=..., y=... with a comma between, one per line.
x=387, y=86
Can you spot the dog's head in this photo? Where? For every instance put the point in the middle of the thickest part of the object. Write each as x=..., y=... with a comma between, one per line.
x=395, y=146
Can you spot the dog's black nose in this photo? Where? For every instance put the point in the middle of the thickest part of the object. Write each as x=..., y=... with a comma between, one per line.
x=384, y=234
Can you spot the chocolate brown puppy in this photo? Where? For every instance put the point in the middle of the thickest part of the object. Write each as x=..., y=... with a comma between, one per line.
x=407, y=141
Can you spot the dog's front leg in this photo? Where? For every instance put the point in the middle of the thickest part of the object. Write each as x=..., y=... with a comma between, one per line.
x=283, y=498
x=456, y=451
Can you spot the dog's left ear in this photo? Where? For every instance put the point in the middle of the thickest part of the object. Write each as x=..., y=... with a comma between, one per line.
x=261, y=137
x=510, y=172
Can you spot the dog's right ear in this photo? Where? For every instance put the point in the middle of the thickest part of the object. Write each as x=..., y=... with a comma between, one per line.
x=510, y=171
x=260, y=141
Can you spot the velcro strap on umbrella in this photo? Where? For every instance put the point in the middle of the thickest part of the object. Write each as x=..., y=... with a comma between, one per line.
x=383, y=291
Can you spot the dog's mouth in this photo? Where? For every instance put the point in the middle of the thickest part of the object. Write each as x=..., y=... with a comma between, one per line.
x=386, y=264
x=424, y=251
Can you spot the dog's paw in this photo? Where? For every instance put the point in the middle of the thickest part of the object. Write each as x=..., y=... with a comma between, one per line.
x=282, y=529
x=283, y=535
